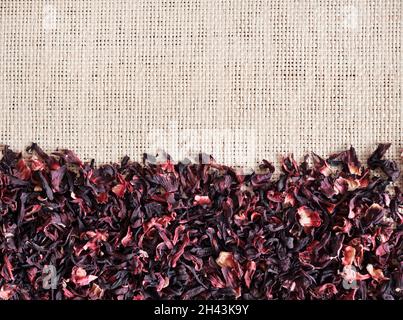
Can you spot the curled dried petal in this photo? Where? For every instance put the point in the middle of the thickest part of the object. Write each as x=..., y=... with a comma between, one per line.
x=309, y=217
x=348, y=255
x=225, y=259
x=376, y=274
x=202, y=200
x=80, y=278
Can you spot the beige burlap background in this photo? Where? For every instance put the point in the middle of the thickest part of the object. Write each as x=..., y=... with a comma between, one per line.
x=244, y=80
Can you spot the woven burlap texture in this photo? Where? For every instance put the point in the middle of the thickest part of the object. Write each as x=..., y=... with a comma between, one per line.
x=244, y=80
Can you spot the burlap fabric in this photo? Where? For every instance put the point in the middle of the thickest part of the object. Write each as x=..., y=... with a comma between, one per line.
x=244, y=80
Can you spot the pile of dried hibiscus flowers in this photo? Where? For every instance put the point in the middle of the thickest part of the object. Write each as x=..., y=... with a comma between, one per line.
x=330, y=229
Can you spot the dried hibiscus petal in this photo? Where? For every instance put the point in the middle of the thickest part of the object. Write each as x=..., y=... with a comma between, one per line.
x=6, y=292
x=202, y=200
x=80, y=278
x=24, y=171
x=330, y=229
x=376, y=274
x=389, y=167
x=348, y=255
x=308, y=217
x=226, y=259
